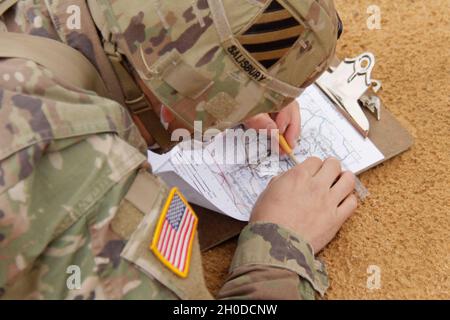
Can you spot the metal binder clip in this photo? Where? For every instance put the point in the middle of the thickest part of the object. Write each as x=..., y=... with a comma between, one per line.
x=373, y=103
x=346, y=84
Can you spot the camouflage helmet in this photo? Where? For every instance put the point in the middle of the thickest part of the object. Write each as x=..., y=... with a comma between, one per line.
x=222, y=61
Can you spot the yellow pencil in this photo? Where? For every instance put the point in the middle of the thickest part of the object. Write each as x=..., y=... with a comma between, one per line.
x=287, y=148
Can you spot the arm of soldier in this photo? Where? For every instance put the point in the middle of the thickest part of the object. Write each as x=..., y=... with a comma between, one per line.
x=40, y=113
x=62, y=149
x=312, y=200
x=273, y=263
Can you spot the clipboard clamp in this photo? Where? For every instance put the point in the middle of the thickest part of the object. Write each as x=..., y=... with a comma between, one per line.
x=347, y=86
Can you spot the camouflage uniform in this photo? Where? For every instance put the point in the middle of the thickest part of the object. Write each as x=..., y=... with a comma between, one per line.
x=70, y=158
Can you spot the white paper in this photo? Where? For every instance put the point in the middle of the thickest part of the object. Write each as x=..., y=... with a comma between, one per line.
x=233, y=189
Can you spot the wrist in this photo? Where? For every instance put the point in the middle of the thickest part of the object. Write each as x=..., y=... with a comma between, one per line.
x=269, y=244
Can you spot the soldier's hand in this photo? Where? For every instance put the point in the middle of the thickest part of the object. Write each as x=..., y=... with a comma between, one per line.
x=287, y=121
x=312, y=199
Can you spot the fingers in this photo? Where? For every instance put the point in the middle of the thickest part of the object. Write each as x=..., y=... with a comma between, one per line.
x=343, y=187
x=260, y=121
x=293, y=130
x=282, y=120
x=288, y=122
x=347, y=208
x=285, y=117
x=330, y=171
x=275, y=178
x=312, y=165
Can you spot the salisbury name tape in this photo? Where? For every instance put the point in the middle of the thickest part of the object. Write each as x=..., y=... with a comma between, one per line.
x=174, y=235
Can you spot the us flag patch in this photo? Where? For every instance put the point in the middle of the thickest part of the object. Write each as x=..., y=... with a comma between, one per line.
x=174, y=235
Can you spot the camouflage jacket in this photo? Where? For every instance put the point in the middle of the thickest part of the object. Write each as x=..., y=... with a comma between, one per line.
x=67, y=160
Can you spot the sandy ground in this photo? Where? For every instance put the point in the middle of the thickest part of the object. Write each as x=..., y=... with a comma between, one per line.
x=404, y=227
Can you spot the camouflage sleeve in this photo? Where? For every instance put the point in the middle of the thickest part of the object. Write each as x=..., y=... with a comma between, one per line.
x=273, y=263
x=67, y=158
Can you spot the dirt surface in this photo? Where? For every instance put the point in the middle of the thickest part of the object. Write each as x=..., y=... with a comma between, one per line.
x=404, y=226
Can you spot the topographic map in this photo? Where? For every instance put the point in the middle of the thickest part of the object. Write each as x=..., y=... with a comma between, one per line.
x=233, y=188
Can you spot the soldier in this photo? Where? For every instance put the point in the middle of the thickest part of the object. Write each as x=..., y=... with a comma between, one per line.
x=76, y=195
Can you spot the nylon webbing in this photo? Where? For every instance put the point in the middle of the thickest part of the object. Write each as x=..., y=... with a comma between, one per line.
x=136, y=101
x=79, y=72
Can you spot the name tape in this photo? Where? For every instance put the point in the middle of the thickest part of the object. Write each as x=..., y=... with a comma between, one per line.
x=244, y=63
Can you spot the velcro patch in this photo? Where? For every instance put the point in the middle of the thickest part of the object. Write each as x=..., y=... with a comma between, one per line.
x=221, y=106
x=174, y=235
x=182, y=77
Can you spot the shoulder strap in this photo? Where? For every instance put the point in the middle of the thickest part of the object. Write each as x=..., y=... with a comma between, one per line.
x=53, y=55
x=136, y=101
x=5, y=5
x=78, y=71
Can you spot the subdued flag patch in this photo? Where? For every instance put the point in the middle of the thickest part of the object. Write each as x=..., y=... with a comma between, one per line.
x=174, y=235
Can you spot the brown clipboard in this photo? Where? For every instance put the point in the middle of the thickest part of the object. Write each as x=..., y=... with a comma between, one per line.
x=388, y=135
